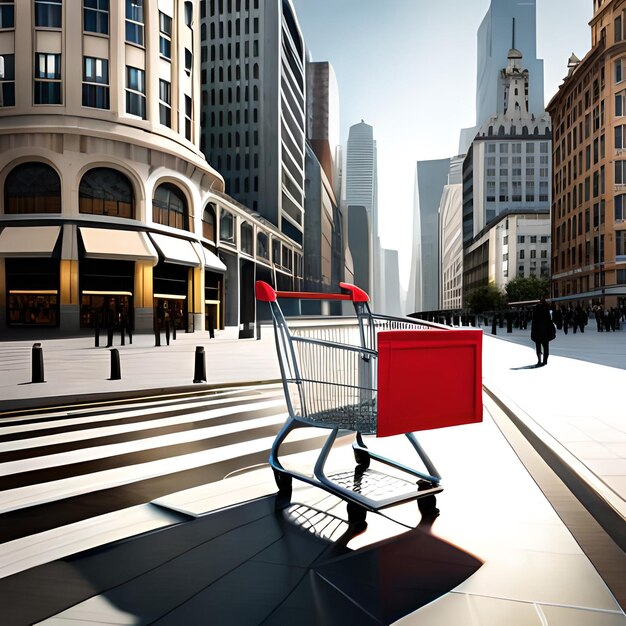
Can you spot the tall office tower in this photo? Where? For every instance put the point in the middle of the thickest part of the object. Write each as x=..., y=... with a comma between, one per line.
x=430, y=179
x=323, y=232
x=103, y=188
x=391, y=283
x=506, y=189
x=451, y=239
x=589, y=204
x=507, y=24
x=362, y=191
x=253, y=105
x=322, y=99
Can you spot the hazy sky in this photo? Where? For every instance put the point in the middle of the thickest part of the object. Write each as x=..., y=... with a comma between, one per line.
x=408, y=68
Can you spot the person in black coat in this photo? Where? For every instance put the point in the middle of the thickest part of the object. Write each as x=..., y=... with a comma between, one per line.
x=542, y=331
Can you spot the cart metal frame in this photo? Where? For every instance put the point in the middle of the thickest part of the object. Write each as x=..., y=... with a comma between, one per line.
x=329, y=378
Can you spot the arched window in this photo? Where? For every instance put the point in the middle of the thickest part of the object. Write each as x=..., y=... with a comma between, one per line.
x=104, y=191
x=247, y=238
x=227, y=227
x=262, y=249
x=169, y=207
x=32, y=188
x=208, y=222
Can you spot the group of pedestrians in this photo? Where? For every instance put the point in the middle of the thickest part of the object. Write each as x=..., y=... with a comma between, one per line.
x=546, y=321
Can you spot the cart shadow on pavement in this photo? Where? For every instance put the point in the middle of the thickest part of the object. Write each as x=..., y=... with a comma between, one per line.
x=262, y=562
x=525, y=367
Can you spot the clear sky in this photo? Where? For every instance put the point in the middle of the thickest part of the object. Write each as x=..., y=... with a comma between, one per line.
x=408, y=68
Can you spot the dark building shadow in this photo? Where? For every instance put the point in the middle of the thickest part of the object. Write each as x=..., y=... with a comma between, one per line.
x=256, y=563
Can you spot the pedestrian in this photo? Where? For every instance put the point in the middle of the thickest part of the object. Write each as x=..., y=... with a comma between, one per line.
x=558, y=317
x=542, y=331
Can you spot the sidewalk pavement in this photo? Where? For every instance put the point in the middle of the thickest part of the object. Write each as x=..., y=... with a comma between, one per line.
x=574, y=407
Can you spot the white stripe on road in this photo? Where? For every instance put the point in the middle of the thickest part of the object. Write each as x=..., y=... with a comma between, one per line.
x=138, y=445
x=108, y=431
x=33, y=495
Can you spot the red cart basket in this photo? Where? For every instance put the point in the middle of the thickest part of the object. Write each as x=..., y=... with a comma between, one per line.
x=376, y=375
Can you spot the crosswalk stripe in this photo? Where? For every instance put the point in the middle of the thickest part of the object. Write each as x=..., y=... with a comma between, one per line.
x=41, y=493
x=107, y=431
x=101, y=452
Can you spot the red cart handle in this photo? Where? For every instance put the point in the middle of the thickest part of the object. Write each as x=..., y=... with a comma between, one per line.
x=266, y=293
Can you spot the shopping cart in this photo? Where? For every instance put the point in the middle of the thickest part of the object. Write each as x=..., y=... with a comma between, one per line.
x=376, y=375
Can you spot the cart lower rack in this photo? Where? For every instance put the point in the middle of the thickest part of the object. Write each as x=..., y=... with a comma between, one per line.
x=376, y=375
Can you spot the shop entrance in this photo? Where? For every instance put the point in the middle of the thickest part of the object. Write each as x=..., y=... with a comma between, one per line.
x=171, y=310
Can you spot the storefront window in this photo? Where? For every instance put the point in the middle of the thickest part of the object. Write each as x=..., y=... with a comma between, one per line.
x=104, y=191
x=33, y=308
x=32, y=188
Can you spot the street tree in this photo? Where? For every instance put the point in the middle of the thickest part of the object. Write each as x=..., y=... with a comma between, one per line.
x=485, y=298
x=524, y=288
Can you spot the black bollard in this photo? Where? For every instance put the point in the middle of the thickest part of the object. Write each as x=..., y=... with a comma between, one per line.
x=157, y=335
x=116, y=373
x=96, y=332
x=509, y=324
x=122, y=336
x=501, y=321
x=37, y=364
x=167, y=333
x=199, y=374
x=494, y=323
x=129, y=330
x=174, y=330
x=109, y=336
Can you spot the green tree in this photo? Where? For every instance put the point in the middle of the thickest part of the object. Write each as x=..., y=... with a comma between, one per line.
x=521, y=288
x=485, y=298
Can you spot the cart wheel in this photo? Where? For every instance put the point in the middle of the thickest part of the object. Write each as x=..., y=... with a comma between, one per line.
x=362, y=457
x=356, y=513
x=427, y=504
x=283, y=482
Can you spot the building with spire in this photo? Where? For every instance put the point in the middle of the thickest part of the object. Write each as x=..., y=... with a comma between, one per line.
x=506, y=188
x=508, y=24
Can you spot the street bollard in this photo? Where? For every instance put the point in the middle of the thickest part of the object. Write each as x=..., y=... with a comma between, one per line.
x=493, y=325
x=199, y=374
x=37, y=364
x=157, y=335
x=167, y=333
x=501, y=321
x=122, y=336
x=174, y=331
x=509, y=324
x=129, y=330
x=116, y=373
x=96, y=333
x=109, y=336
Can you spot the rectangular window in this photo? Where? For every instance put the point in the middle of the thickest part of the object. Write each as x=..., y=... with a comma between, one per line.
x=620, y=207
x=135, y=92
x=7, y=14
x=620, y=242
x=7, y=80
x=618, y=71
x=522, y=253
x=96, y=16
x=620, y=172
x=188, y=118
x=543, y=191
x=134, y=21
x=48, y=13
x=47, y=78
x=530, y=191
x=521, y=238
x=617, y=31
x=95, y=83
x=188, y=61
x=619, y=137
x=620, y=103
x=165, y=103
x=165, y=35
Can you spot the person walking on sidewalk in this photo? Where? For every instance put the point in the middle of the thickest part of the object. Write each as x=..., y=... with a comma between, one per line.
x=542, y=331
